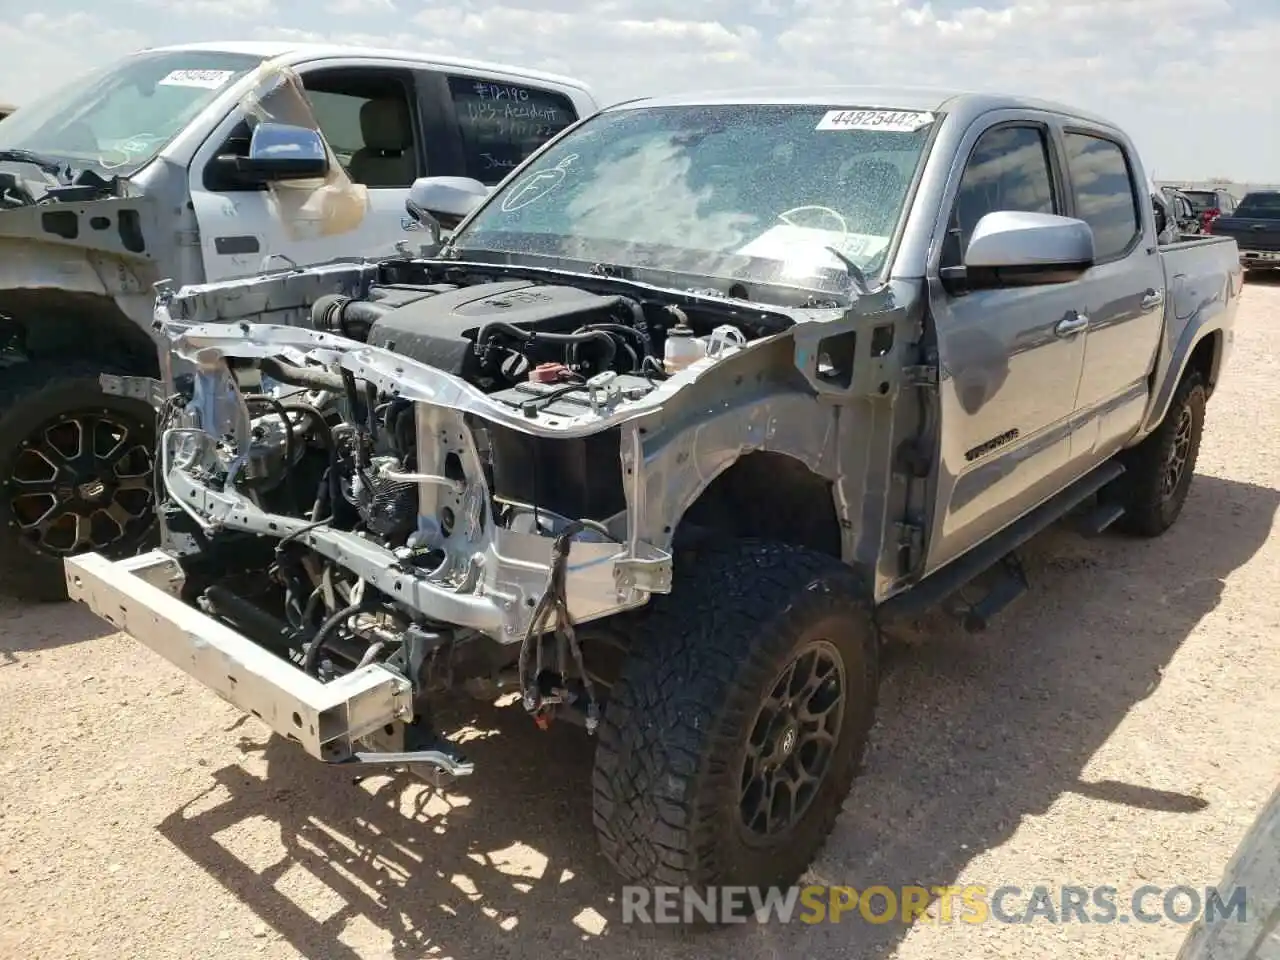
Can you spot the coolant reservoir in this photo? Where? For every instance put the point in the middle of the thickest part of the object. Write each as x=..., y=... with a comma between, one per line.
x=682, y=348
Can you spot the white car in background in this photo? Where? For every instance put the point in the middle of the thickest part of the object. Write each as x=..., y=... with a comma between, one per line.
x=141, y=172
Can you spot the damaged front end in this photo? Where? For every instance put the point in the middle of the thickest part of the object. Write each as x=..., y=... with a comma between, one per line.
x=424, y=475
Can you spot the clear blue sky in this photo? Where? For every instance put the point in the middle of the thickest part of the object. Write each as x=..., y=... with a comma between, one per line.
x=1193, y=81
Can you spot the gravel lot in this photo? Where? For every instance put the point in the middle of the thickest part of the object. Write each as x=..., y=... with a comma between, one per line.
x=1111, y=729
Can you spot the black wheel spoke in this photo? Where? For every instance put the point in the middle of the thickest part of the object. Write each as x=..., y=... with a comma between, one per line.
x=25, y=488
x=119, y=516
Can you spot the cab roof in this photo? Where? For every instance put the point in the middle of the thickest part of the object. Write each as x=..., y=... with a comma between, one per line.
x=964, y=102
x=298, y=51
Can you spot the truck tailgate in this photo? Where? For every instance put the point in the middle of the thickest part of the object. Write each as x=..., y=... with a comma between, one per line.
x=1258, y=239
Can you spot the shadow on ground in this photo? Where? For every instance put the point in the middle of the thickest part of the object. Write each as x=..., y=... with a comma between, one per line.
x=976, y=733
x=44, y=626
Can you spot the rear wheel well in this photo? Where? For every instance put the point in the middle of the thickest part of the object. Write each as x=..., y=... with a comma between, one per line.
x=49, y=324
x=769, y=496
x=1204, y=360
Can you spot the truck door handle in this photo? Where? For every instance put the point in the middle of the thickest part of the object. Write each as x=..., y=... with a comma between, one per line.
x=1071, y=325
x=1152, y=299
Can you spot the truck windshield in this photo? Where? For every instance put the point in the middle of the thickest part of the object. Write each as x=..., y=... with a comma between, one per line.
x=116, y=119
x=1265, y=206
x=760, y=193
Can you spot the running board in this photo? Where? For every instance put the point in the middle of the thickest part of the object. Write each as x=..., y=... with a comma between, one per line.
x=1099, y=519
x=1011, y=585
x=945, y=581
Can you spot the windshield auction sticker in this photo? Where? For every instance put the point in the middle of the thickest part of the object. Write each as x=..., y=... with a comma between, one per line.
x=206, y=79
x=894, y=121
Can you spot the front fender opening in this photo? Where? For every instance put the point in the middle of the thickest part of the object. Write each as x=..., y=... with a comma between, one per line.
x=769, y=496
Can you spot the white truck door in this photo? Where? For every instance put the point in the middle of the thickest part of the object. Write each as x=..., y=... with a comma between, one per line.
x=369, y=114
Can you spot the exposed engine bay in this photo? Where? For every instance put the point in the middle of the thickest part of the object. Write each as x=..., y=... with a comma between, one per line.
x=436, y=478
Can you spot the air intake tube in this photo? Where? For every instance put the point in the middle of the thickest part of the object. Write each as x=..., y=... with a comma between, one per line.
x=346, y=317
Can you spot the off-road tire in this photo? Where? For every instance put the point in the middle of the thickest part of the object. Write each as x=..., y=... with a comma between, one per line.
x=1150, y=510
x=668, y=767
x=31, y=396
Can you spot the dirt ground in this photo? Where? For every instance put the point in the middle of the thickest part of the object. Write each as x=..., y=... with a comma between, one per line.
x=1111, y=729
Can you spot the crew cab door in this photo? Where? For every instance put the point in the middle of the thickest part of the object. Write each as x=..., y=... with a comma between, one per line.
x=1122, y=295
x=375, y=122
x=1010, y=358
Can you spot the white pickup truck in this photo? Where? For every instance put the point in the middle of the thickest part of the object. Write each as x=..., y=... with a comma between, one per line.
x=140, y=172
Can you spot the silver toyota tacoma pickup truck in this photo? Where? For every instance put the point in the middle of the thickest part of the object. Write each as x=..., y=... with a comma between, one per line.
x=701, y=393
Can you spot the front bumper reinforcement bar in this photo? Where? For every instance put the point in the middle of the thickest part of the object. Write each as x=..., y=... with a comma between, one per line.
x=329, y=720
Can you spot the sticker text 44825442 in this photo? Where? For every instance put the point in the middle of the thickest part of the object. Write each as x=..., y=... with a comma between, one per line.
x=894, y=121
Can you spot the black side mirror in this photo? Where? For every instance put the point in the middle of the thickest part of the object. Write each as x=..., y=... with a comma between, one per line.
x=277, y=151
x=281, y=151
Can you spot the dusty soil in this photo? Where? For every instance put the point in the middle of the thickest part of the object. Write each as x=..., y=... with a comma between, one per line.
x=1112, y=729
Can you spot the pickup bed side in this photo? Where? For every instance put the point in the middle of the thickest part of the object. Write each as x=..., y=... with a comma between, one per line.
x=1203, y=279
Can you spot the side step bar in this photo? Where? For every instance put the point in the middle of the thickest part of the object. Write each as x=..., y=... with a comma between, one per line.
x=1096, y=521
x=1011, y=585
x=944, y=582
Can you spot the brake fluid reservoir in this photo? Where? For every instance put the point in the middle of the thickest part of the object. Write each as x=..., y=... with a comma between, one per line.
x=682, y=348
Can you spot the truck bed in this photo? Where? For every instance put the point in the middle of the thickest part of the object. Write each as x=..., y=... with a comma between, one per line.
x=1202, y=277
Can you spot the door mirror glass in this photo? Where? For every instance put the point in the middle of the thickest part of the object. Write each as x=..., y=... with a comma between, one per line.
x=444, y=201
x=1011, y=248
x=281, y=151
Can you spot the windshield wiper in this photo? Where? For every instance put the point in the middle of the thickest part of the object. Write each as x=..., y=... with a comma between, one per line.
x=856, y=276
x=610, y=270
x=46, y=164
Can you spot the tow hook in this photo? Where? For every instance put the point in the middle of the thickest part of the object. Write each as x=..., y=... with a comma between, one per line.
x=454, y=766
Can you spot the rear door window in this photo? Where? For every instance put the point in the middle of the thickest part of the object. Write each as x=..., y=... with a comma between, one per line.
x=502, y=123
x=1105, y=197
